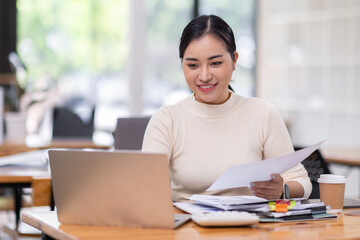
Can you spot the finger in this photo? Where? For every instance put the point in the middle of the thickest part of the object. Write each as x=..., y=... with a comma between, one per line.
x=268, y=193
x=263, y=191
x=276, y=178
x=265, y=185
x=259, y=184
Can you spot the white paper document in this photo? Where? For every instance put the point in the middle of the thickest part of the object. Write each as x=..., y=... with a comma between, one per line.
x=36, y=156
x=194, y=208
x=243, y=175
x=231, y=202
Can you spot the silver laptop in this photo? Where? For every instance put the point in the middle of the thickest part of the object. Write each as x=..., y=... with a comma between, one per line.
x=118, y=188
x=351, y=203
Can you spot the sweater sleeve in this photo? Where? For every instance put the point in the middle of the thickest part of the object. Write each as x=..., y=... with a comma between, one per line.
x=300, y=175
x=277, y=140
x=277, y=143
x=158, y=137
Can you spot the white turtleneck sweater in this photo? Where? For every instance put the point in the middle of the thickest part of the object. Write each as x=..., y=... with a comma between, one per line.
x=202, y=141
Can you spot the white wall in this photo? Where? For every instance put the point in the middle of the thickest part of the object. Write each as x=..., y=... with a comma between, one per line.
x=309, y=67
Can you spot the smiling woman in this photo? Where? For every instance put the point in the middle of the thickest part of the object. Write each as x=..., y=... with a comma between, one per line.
x=215, y=128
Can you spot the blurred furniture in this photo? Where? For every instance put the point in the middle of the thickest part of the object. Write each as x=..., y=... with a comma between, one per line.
x=129, y=132
x=315, y=165
x=345, y=227
x=11, y=91
x=67, y=124
x=18, y=177
x=346, y=155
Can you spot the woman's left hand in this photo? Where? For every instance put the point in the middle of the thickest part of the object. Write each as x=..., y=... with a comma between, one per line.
x=272, y=189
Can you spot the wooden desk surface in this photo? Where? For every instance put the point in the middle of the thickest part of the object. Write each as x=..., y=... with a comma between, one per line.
x=9, y=149
x=343, y=227
x=11, y=174
x=347, y=156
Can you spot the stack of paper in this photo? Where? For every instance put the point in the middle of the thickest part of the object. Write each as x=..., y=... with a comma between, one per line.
x=30, y=158
x=300, y=209
x=232, y=202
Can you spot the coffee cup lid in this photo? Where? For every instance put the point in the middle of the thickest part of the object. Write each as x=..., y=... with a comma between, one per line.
x=331, y=178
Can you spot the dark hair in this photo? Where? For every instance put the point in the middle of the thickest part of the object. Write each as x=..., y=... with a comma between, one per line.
x=207, y=24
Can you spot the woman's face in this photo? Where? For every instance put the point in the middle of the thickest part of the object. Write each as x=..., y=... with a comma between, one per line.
x=208, y=68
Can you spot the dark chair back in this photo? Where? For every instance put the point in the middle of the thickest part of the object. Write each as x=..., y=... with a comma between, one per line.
x=67, y=124
x=315, y=165
x=129, y=132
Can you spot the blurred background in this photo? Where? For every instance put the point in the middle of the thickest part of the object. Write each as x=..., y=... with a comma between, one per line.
x=120, y=57
x=69, y=69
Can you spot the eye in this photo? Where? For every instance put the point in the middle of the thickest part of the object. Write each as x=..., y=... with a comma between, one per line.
x=216, y=63
x=192, y=65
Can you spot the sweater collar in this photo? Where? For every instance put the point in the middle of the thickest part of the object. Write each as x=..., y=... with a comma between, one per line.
x=209, y=110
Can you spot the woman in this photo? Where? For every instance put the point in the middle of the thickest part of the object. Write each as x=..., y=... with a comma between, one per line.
x=215, y=128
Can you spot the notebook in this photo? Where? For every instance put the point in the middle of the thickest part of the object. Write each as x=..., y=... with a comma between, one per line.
x=117, y=188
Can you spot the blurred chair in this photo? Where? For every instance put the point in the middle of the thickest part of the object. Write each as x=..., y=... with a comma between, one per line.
x=315, y=165
x=129, y=132
x=67, y=124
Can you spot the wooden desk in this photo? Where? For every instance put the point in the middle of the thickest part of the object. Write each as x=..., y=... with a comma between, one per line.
x=343, y=227
x=9, y=149
x=345, y=156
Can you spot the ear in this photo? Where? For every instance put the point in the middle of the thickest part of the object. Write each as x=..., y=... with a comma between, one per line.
x=236, y=58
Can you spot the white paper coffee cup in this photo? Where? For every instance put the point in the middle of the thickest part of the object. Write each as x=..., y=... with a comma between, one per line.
x=332, y=191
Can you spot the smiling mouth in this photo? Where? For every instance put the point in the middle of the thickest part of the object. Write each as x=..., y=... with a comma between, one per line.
x=207, y=88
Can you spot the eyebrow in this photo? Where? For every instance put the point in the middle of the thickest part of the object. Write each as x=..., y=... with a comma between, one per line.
x=210, y=58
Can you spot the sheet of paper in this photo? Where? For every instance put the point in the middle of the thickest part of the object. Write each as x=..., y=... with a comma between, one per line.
x=231, y=202
x=243, y=175
x=36, y=156
x=226, y=200
x=194, y=208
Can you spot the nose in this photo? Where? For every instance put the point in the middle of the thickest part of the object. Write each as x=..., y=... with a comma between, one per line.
x=205, y=74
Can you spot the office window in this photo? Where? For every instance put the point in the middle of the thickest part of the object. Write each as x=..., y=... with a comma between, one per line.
x=165, y=82
x=83, y=48
x=73, y=38
x=80, y=46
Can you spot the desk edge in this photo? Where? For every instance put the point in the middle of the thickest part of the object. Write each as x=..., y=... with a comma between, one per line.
x=45, y=228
